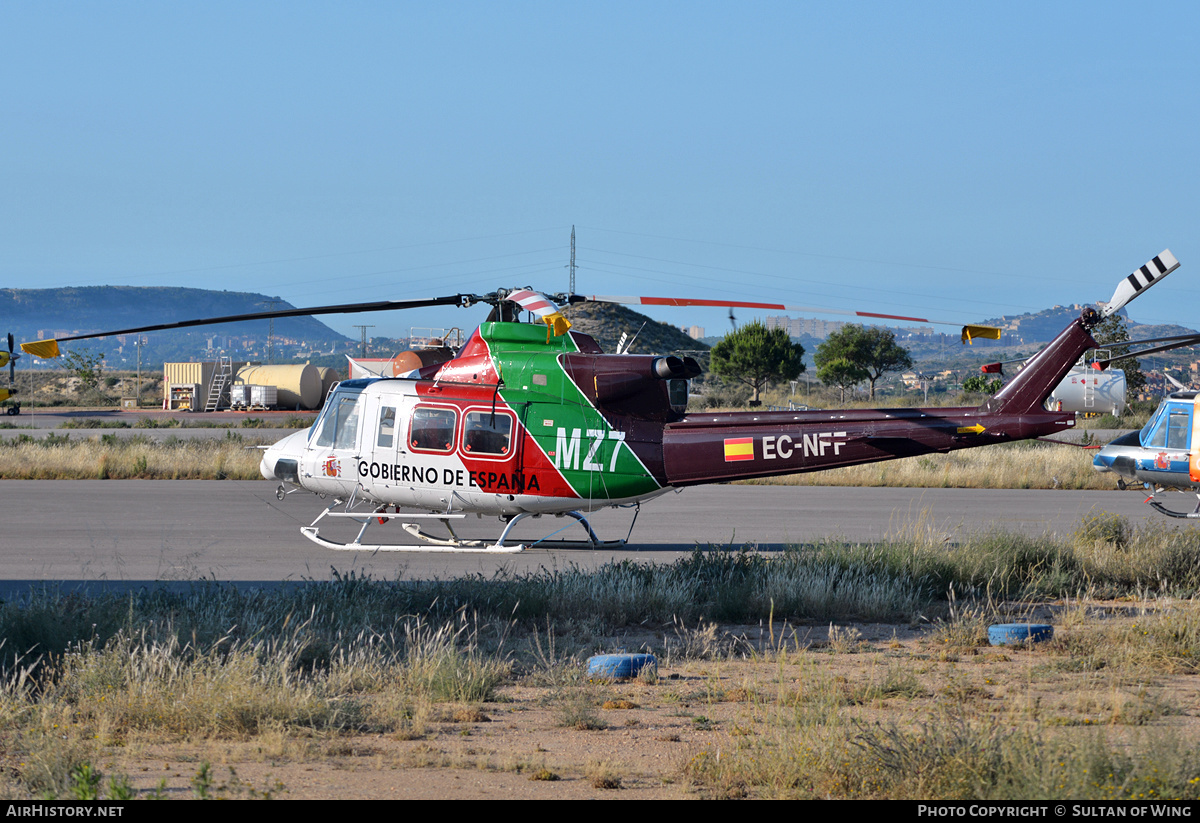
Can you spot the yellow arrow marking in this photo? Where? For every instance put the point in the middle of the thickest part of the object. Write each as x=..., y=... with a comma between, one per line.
x=976, y=429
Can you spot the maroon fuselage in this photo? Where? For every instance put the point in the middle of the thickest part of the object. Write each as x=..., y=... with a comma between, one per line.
x=711, y=447
x=703, y=448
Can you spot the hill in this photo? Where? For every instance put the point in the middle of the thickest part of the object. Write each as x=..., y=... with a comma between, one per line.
x=32, y=314
x=607, y=321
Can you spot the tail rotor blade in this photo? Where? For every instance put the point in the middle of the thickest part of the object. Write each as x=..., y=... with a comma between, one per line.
x=1159, y=267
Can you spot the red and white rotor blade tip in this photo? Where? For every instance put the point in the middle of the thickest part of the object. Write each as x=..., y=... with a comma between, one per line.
x=746, y=304
x=542, y=308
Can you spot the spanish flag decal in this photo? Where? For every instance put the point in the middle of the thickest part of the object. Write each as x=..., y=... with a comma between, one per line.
x=739, y=448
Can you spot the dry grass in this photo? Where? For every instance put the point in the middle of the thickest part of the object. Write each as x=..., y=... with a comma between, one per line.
x=62, y=458
x=1098, y=713
x=919, y=708
x=1003, y=466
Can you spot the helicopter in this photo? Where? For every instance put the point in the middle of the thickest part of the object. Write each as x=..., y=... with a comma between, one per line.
x=9, y=358
x=534, y=419
x=1164, y=455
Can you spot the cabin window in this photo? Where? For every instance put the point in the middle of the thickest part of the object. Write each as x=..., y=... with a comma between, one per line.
x=1180, y=427
x=487, y=433
x=387, y=427
x=339, y=422
x=433, y=429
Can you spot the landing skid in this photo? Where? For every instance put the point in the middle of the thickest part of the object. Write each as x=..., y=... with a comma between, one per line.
x=452, y=544
x=1161, y=509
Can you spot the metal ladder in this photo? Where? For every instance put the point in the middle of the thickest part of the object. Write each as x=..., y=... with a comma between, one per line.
x=220, y=379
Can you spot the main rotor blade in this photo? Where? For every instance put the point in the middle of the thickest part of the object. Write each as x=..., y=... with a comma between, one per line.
x=1191, y=341
x=1112, y=344
x=968, y=331
x=346, y=308
x=744, y=304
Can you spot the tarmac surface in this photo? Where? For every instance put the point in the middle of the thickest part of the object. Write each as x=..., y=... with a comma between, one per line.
x=131, y=533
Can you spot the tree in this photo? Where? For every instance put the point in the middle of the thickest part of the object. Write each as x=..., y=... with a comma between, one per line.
x=854, y=353
x=981, y=385
x=1113, y=330
x=755, y=355
x=838, y=372
x=86, y=365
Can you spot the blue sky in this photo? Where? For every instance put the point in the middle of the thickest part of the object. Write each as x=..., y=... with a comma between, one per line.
x=957, y=160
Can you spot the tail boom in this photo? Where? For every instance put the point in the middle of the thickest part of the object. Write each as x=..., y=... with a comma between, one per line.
x=707, y=448
x=741, y=446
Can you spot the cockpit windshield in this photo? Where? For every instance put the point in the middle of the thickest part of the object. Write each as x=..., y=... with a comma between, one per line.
x=1169, y=428
x=337, y=426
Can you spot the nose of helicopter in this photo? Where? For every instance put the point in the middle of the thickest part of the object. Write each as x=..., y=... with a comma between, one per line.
x=281, y=461
x=1102, y=462
x=1119, y=456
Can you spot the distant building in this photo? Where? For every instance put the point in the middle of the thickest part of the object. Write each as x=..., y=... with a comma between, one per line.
x=800, y=326
x=694, y=332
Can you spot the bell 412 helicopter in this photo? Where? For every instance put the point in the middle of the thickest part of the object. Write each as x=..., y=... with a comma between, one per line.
x=533, y=419
x=1164, y=455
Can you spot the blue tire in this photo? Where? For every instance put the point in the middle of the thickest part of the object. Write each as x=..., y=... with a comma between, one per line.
x=1012, y=634
x=618, y=666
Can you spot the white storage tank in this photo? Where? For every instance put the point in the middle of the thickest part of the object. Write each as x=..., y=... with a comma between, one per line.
x=1090, y=391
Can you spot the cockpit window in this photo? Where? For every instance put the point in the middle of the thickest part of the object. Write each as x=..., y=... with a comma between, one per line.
x=1170, y=428
x=1180, y=427
x=338, y=426
x=387, y=427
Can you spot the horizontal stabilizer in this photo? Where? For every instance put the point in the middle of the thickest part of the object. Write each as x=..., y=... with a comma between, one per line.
x=45, y=349
x=1145, y=277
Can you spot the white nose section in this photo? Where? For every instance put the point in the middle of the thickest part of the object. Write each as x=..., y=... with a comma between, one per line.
x=282, y=460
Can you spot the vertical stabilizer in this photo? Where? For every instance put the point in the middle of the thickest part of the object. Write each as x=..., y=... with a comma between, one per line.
x=1046, y=369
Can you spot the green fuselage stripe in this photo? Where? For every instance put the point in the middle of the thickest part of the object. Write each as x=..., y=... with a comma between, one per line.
x=567, y=427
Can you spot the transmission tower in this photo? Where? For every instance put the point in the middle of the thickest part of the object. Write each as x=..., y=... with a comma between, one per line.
x=271, y=332
x=364, y=338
